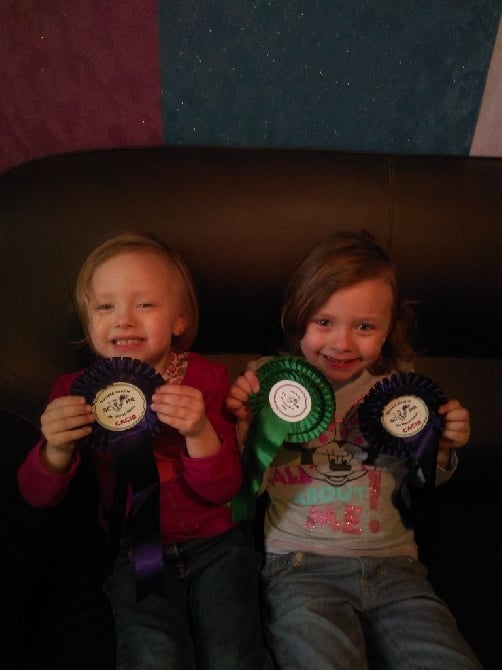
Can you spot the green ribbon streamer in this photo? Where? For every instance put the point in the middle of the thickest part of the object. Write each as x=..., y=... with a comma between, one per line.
x=268, y=431
x=271, y=432
x=266, y=434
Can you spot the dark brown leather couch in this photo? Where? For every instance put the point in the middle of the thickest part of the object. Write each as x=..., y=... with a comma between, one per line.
x=243, y=218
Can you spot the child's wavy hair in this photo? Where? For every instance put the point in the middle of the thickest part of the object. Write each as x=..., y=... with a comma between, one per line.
x=140, y=241
x=342, y=260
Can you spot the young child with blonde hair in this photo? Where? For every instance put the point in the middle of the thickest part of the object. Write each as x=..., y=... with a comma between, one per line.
x=137, y=304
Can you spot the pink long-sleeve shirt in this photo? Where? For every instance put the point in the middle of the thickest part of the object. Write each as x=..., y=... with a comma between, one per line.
x=194, y=492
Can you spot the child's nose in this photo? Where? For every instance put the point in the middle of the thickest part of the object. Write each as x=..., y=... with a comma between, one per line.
x=340, y=339
x=125, y=317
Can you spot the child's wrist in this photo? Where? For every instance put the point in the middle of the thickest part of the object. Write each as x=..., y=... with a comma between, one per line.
x=446, y=459
x=57, y=459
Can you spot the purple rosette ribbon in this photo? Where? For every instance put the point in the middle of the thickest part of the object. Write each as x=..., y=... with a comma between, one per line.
x=399, y=417
x=120, y=391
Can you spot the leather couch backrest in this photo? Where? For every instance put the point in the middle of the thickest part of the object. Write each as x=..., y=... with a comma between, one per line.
x=243, y=219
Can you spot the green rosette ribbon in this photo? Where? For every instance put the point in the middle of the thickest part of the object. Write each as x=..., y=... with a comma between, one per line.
x=295, y=403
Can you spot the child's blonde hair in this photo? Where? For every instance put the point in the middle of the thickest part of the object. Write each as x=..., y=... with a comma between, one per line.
x=141, y=241
x=340, y=261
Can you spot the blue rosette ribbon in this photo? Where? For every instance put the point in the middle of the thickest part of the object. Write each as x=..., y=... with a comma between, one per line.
x=120, y=391
x=295, y=403
x=399, y=417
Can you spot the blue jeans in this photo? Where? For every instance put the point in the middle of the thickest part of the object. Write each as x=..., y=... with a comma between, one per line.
x=209, y=618
x=338, y=613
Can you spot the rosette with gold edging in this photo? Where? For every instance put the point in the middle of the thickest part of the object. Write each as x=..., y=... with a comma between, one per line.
x=295, y=403
x=420, y=397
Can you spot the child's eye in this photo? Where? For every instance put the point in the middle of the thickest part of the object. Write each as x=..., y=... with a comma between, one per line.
x=365, y=326
x=324, y=323
x=145, y=305
x=104, y=307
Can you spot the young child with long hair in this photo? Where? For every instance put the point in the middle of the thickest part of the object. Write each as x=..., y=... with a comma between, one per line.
x=343, y=586
x=136, y=301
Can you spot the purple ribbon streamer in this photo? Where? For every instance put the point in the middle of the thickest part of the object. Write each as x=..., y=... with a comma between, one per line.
x=423, y=446
x=133, y=453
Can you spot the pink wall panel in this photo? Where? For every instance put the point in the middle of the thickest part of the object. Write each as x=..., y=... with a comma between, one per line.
x=78, y=75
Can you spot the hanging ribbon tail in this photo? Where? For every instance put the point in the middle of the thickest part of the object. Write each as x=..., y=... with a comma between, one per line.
x=135, y=463
x=422, y=456
x=266, y=434
x=115, y=524
x=422, y=482
x=423, y=453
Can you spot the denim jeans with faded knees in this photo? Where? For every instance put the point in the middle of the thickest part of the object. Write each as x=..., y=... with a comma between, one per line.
x=209, y=618
x=340, y=613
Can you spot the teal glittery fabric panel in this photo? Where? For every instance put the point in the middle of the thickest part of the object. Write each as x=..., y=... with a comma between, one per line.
x=397, y=76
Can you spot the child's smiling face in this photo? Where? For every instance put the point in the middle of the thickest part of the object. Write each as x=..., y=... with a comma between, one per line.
x=135, y=308
x=347, y=333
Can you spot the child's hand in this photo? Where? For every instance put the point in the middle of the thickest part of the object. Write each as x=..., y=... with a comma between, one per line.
x=183, y=408
x=456, y=429
x=238, y=396
x=237, y=401
x=64, y=421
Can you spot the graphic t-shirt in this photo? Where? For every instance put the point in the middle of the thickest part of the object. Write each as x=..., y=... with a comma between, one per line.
x=331, y=495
